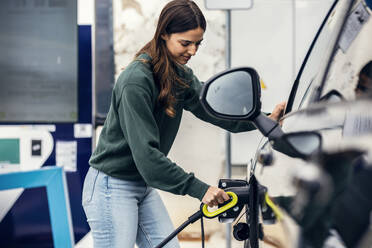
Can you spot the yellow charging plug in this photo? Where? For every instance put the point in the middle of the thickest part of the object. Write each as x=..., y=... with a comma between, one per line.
x=222, y=209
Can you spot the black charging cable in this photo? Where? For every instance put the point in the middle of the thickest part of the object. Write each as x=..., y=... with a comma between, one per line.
x=196, y=216
x=202, y=230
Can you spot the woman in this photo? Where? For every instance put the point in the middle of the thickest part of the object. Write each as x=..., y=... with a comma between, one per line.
x=119, y=198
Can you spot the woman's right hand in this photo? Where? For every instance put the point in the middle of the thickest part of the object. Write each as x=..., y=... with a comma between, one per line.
x=278, y=111
x=215, y=196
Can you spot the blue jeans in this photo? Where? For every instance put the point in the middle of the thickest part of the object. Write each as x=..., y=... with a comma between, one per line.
x=121, y=213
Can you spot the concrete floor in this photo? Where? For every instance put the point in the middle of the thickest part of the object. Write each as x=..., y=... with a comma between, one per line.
x=216, y=241
x=278, y=232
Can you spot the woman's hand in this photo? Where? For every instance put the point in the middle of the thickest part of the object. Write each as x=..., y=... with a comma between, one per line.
x=278, y=111
x=215, y=196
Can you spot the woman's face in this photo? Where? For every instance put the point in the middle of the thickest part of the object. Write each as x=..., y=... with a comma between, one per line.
x=184, y=45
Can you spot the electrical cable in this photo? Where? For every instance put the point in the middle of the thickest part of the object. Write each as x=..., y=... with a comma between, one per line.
x=238, y=219
x=202, y=231
x=197, y=215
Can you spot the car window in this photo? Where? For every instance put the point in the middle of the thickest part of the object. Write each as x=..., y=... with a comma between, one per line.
x=354, y=52
x=312, y=71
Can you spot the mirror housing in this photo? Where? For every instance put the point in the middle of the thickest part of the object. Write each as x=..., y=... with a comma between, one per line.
x=235, y=94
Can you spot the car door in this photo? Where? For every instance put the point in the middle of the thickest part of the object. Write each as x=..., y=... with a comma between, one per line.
x=328, y=74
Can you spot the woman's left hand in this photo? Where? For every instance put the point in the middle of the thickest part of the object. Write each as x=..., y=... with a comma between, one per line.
x=278, y=111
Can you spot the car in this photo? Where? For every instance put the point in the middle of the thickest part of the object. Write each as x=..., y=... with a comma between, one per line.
x=316, y=161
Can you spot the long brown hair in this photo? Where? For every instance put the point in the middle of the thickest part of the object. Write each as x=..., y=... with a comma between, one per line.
x=176, y=17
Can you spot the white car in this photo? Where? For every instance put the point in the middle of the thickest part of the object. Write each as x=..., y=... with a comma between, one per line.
x=317, y=159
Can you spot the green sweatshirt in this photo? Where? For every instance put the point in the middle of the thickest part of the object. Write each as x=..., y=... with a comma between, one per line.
x=138, y=134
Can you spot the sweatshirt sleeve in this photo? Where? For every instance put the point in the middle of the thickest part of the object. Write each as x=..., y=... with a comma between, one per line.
x=142, y=134
x=192, y=104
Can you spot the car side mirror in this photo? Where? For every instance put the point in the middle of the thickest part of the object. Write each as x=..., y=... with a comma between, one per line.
x=235, y=95
x=300, y=144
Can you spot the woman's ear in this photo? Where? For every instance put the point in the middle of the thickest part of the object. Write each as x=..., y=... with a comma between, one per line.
x=165, y=37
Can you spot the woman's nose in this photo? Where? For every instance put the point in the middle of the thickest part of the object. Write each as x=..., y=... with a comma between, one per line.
x=192, y=49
